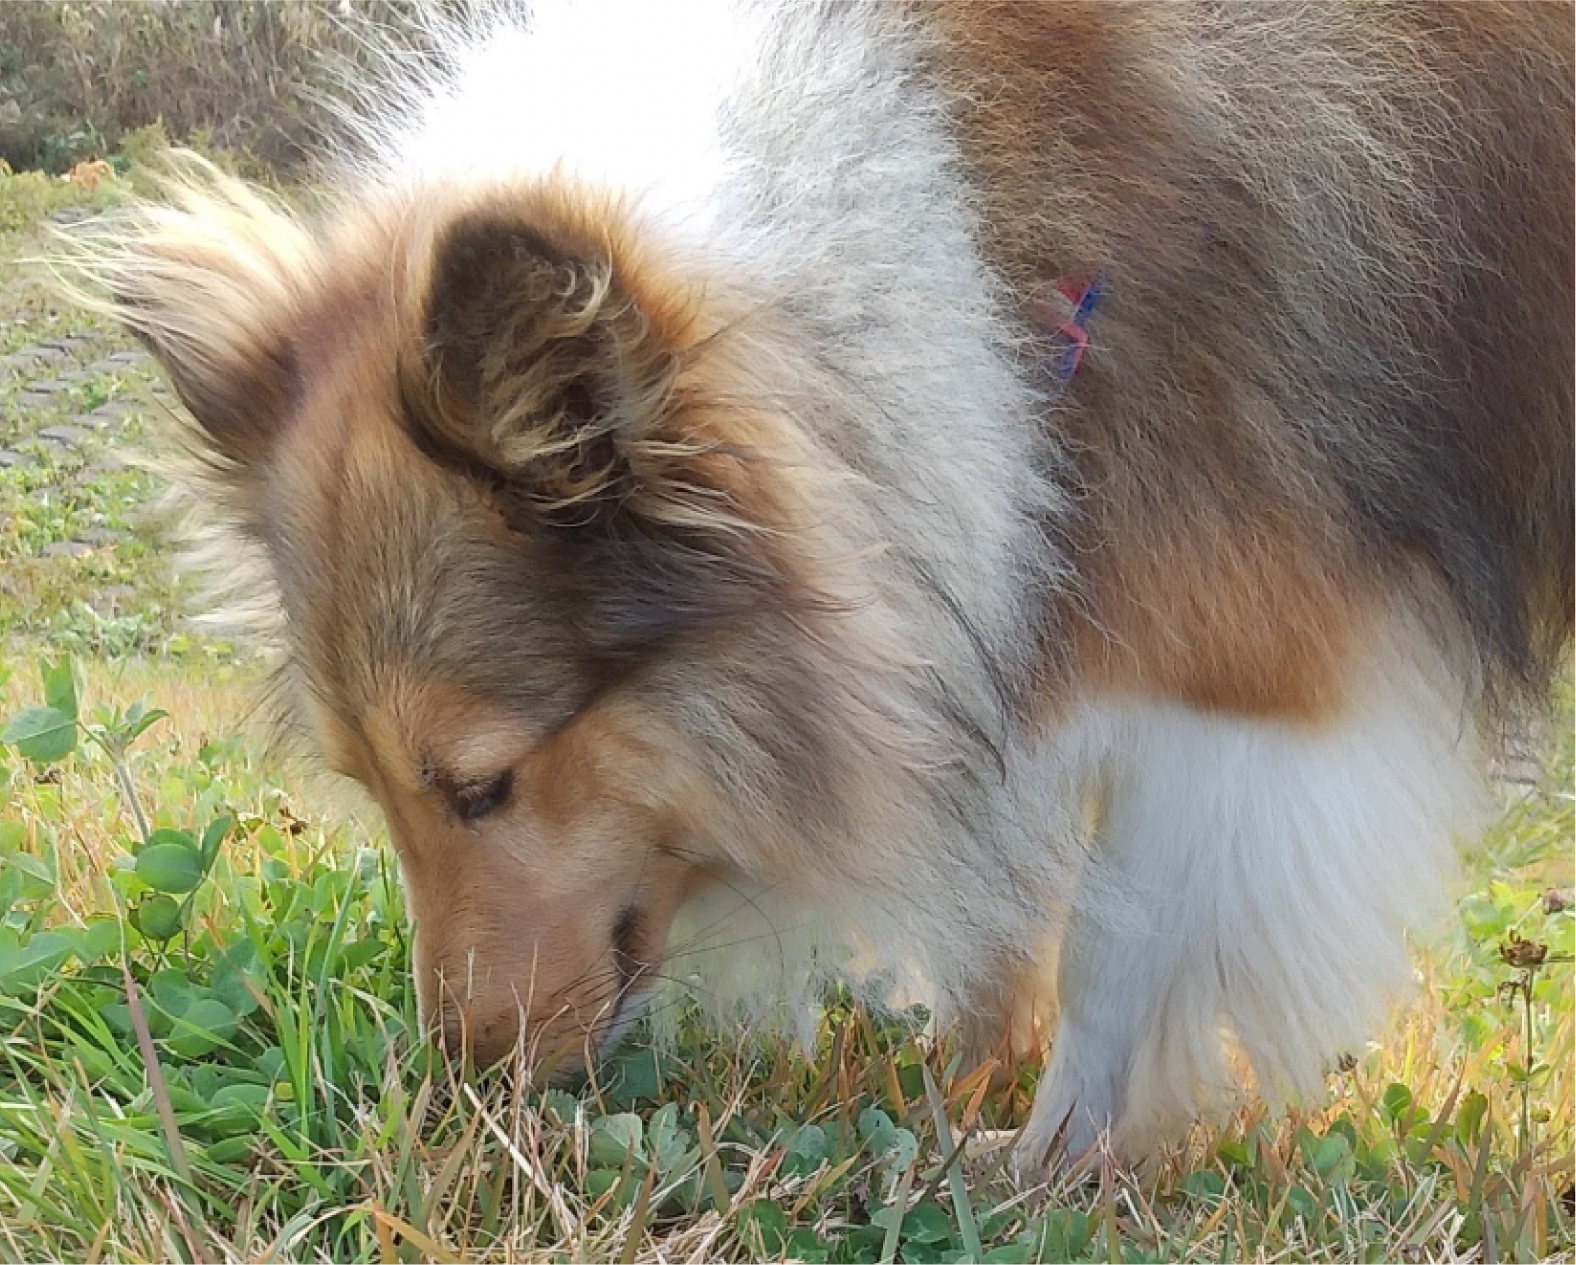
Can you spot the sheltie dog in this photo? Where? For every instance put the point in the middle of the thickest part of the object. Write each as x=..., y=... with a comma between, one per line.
x=944, y=496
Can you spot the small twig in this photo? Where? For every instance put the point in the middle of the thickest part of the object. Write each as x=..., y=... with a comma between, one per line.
x=161, y=1091
x=1527, y=956
x=1529, y=1056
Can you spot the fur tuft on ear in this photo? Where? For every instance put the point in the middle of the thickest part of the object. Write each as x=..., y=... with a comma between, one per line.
x=540, y=367
x=532, y=364
x=208, y=281
x=591, y=395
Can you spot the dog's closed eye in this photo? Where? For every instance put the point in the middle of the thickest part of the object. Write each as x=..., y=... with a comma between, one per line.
x=476, y=800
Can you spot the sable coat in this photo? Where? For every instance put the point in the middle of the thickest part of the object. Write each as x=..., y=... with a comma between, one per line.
x=654, y=456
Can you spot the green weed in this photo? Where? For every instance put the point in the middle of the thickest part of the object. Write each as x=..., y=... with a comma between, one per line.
x=208, y=1021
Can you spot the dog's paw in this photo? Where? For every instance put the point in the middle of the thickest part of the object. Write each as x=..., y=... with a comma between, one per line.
x=1058, y=1136
x=1074, y=1108
x=1030, y=1161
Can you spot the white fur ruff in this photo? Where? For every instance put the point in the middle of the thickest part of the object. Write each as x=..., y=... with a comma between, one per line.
x=1273, y=870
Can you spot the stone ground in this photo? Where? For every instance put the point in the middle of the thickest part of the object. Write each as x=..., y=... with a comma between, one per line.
x=66, y=404
x=84, y=566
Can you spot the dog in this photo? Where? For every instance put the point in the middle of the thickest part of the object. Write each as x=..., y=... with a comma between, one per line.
x=912, y=494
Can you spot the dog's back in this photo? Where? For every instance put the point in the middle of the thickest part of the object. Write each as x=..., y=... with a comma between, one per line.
x=1337, y=248
x=1322, y=446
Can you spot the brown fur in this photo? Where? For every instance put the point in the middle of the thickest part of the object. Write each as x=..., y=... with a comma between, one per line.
x=1216, y=568
x=476, y=972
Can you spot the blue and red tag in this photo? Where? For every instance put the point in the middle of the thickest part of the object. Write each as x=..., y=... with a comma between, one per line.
x=1064, y=313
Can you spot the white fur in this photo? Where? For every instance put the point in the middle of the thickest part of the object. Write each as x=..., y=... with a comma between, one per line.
x=1274, y=869
x=624, y=95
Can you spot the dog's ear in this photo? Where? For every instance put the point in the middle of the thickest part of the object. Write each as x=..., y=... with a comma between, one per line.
x=541, y=369
x=577, y=398
x=206, y=282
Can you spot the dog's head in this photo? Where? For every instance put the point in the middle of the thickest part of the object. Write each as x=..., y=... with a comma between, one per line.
x=517, y=513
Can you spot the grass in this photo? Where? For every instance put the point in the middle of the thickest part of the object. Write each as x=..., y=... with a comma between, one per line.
x=206, y=1016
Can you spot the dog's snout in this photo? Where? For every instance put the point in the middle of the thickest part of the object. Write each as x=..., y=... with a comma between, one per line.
x=464, y=1035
